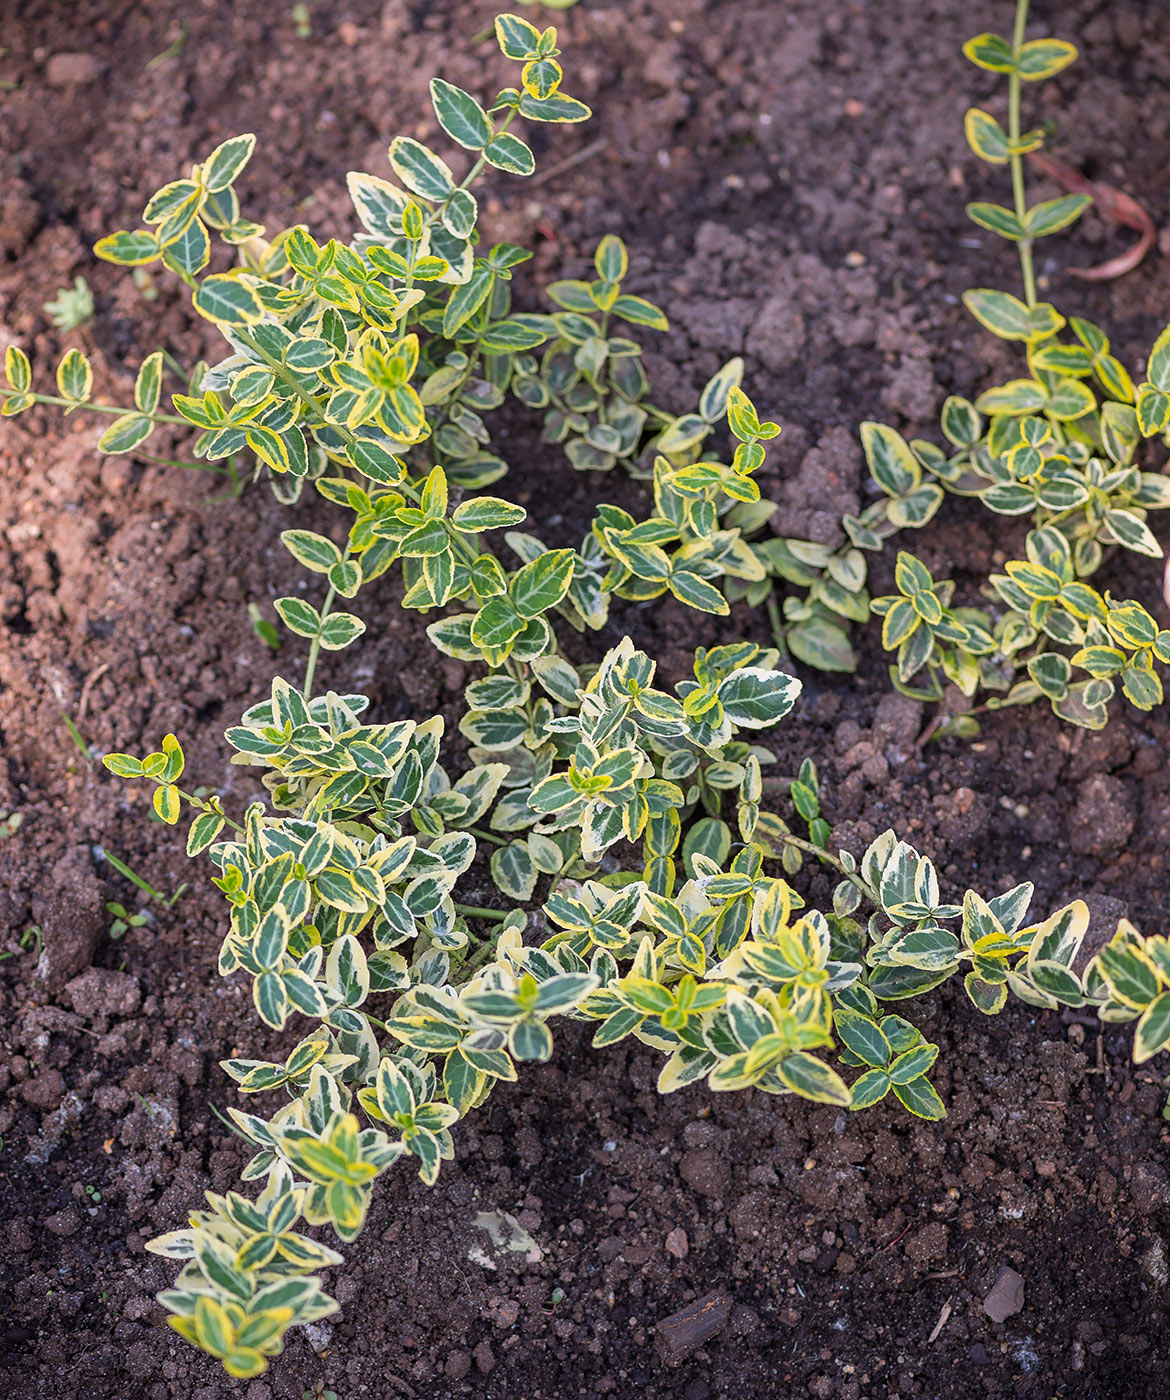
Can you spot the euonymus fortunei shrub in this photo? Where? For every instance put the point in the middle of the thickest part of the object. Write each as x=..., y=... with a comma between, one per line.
x=1060, y=446
x=367, y=369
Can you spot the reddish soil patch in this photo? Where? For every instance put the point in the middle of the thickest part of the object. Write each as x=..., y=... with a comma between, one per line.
x=827, y=243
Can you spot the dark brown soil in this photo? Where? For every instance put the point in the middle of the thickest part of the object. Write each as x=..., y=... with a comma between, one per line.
x=790, y=180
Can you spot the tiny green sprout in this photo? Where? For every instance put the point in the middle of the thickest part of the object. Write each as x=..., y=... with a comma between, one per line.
x=10, y=824
x=123, y=919
x=302, y=19
x=79, y=740
x=263, y=628
x=318, y=1391
x=72, y=306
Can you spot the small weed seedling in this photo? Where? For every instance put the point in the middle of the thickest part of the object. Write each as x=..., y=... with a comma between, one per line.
x=72, y=307
x=122, y=918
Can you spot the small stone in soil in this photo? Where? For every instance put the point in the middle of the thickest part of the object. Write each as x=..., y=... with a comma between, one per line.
x=1006, y=1297
x=677, y=1243
x=66, y=69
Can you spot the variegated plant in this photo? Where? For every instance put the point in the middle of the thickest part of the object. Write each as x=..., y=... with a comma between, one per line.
x=342, y=911
x=626, y=821
x=1061, y=446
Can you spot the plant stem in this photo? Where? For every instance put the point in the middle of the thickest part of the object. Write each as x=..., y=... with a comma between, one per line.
x=93, y=407
x=821, y=854
x=1016, y=160
x=315, y=644
x=474, y=911
x=203, y=806
x=485, y=835
x=774, y=618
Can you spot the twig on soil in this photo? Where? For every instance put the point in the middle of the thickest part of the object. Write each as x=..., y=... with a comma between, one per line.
x=947, y=1309
x=1115, y=205
x=90, y=681
x=562, y=167
x=891, y=1243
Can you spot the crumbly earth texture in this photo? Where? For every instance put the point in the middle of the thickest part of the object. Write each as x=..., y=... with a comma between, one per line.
x=790, y=181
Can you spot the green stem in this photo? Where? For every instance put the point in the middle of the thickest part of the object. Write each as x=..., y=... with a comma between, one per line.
x=315, y=644
x=93, y=407
x=1016, y=160
x=283, y=374
x=774, y=618
x=203, y=806
x=485, y=835
x=821, y=854
x=474, y=911
x=174, y=462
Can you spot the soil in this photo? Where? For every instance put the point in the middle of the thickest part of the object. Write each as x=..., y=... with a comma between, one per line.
x=790, y=181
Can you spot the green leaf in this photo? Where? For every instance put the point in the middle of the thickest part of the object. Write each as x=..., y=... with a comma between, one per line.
x=1153, y=410
x=225, y=163
x=1009, y=318
x=891, y=463
x=683, y=433
x=129, y=249
x=986, y=137
x=379, y=204
x=1130, y=975
x=271, y=999
x=517, y=333
x=486, y=513
x=708, y=837
x=1042, y=58
x=639, y=312
x=375, y=461
x=920, y=1098
x=1152, y=1033
x=860, y=1035
x=611, y=259
x=557, y=107
x=812, y=1079
x=871, y=1088
x=460, y=115
x=542, y=584
x=991, y=52
x=420, y=170
x=203, y=831
x=696, y=592
x=124, y=434
x=821, y=644
x=754, y=698
x=148, y=384
x=466, y=299
x=17, y=369
x=960, y=422
x=227, y=301
x=513, y=872
x=314, y=551
x=517, y=38
x=75, y=376
x=1017, y=396
x=1158, y=364
x=1054, y=214
x=167, y=804
x=123, y=765
x=996, y=219
x=340, y=629
x=298, y=616
x=507, y=152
